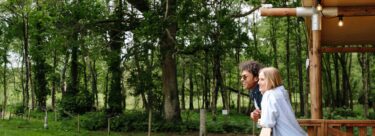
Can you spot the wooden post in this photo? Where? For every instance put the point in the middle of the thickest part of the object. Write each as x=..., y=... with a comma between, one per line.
x=315, y=68
x=349, y=130
x=362, y=131
x=55, y=114
x=202, y=126
x=149, y=121
x=45, y=119
x=78, y=123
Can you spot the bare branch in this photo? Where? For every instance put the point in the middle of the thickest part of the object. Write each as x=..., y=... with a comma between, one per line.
x=246, y=13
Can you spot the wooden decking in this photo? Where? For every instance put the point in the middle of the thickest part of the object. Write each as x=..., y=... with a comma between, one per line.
x=321, y=127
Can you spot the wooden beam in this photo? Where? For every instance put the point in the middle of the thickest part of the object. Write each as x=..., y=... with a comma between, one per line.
x=346, y=11
x=335, y=132
x=347, y=49
x=278, y=12
x=356, y=11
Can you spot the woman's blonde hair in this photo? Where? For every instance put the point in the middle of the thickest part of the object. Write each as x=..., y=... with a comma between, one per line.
x=272, y=76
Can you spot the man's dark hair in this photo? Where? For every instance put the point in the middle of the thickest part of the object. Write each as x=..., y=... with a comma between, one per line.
x=252, y=66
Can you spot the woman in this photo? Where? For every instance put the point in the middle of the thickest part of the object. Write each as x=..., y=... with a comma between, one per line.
x=276, y=111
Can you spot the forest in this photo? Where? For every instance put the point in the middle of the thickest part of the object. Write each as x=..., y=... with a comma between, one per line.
x=110, y=63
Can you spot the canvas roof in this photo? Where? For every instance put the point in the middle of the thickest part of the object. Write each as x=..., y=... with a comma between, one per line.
x=359, y=30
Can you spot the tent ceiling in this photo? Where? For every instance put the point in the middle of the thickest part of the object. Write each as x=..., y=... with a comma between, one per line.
x=341, y=2
x=358, y=30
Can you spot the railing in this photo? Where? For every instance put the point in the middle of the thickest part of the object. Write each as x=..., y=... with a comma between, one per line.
x=321, y=127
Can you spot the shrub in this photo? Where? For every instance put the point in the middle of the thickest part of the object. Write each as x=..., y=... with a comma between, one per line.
x=94, y=121
x=371, y=116
x=19, y=109
x=340, y=113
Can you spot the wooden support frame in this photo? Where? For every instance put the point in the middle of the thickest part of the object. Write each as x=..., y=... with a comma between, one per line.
x=315, y=73
x=322, y=127
x=315, y=50
x=347, y=49
x=346, y=11
x=356, y=11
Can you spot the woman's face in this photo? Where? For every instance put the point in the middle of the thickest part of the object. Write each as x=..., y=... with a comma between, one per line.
x=263, y=86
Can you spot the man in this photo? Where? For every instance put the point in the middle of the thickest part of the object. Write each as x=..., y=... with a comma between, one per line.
x=249, y=79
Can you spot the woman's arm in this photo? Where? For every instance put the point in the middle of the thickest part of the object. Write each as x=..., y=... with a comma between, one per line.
x=269, y=112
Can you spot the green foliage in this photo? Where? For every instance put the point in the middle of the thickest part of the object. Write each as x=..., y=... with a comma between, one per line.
x=137, y=121
x=67, y=104
x=341, y=113
x=81, y=103
x=19, y=109
x=94, y=120
x=132, y=121
x=372, y=116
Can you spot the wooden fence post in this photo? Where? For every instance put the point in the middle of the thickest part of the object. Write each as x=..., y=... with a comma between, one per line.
x=202, y=126
x=149, y=121
x=78, y=123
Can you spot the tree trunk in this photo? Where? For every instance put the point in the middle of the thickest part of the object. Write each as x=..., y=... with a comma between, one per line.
x=106, y=90
x=168, y=60
x=254, y=31
x=364, y=62
x=345, y=79
x=218, y=84
x=329, y=85
x=273, y=35
x=307, y=104
x=40, y=70
x=206, y=91
x=32, y=87
x=300, y=72
x=183, y=89
x=337, y=79
x=350, y=87
x=94, y=82
x=198, y=93
x=26, y=57
x=85, y=77
x=288, y=60
x=5, y=60
x=115, y=97
x=306, y=93
x=238, y=83
x=149, y=63
x=53, y=91
x=23, y=84
x=191, y=86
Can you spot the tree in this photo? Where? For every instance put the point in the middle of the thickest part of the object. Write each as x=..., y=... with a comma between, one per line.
x=115, y=95
x=168, y=60
x=38, y=55
x=4, y=54
x=364, y=61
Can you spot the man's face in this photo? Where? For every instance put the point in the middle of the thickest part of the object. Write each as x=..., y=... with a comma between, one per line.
x=248, y=80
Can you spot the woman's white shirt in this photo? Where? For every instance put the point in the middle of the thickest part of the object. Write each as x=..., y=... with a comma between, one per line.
x=277, y=113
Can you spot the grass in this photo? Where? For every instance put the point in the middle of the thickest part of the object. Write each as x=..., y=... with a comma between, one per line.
x=18, y=126
x=34, y=127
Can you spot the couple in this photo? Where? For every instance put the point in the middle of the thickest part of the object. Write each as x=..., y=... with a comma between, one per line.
x=271, y=100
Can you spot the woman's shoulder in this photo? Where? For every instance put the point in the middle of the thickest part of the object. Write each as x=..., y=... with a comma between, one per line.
x=277, y=92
